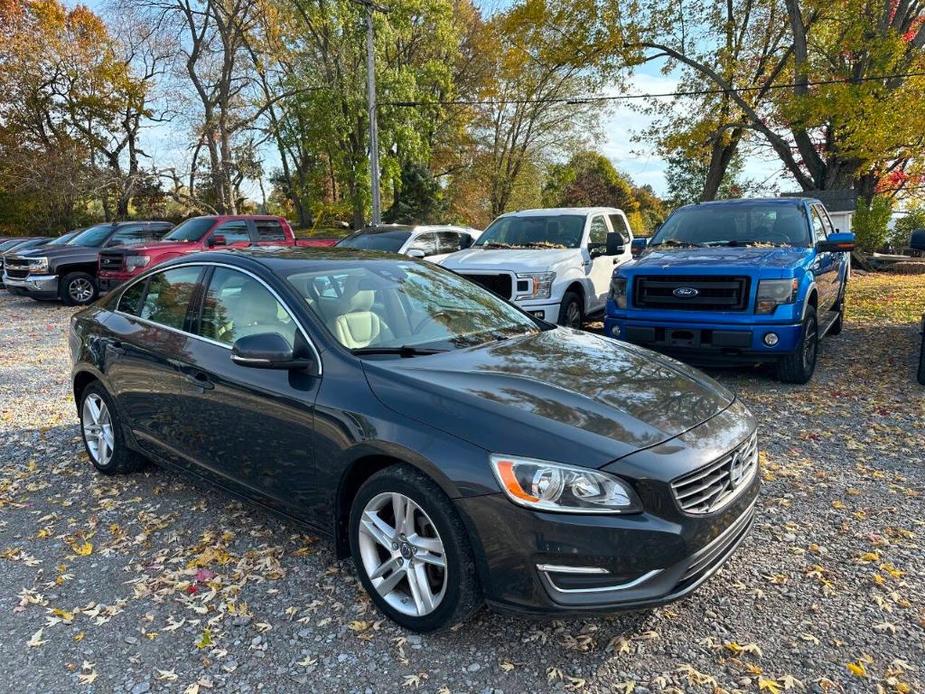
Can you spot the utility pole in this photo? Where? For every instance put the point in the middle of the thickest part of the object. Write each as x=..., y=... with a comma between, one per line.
x=371, y=103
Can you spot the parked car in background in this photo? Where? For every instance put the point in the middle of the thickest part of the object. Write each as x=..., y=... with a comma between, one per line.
x=554, y=263
x=433, y=242
x=14, y=245
x=459, y=449
x=69, y=272
x=737, y=281
x=118, y=265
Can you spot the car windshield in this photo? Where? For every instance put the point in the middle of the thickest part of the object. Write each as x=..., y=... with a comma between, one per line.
x=390, y=241
x=190, y=230
x=62, y=240
x=547, y=231
x=758, y=224
x=405, y=307
x=93, y=236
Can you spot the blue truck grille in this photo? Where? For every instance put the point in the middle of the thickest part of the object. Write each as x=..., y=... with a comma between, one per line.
x=691, y=293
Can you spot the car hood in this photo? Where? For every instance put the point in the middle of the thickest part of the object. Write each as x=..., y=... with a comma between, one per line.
x=56, y=252
x=755, y=258
x=512, y=259
x=158, y=246
x=592, y=398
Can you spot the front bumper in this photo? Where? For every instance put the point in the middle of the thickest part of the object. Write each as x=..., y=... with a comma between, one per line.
x=107, y=281
x=39, y=286
x=710, y=342
x=546, y=310
x=648, y=559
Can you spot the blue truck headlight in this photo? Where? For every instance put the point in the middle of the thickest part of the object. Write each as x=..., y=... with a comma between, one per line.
x=773, y=293
x=618, y=291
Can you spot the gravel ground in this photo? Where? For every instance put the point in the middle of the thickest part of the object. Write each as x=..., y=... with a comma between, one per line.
x=155, y=583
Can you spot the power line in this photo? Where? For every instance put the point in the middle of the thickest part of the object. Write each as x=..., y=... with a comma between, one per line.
x=658, y=95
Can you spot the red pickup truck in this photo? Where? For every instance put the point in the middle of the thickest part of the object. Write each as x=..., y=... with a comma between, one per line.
x=118, y=265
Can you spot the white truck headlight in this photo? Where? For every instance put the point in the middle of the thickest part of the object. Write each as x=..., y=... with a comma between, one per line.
x=540, y=286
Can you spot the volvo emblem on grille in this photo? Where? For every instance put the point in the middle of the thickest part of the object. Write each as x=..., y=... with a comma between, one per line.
x=736, y=469
x=685, y=292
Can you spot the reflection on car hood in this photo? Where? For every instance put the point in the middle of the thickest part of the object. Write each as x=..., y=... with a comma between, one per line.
x=754, y=258
x=604, y=398
x=512, y=259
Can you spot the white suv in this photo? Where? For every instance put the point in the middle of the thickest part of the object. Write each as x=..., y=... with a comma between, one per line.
x=431, y=241
x=554, y=263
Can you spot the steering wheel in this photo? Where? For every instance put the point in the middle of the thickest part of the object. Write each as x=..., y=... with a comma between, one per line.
x=447, y=314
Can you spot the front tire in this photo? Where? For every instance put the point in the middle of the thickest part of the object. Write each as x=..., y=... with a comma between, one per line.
x=411, y=551
x=570, y=311
x=77, y=289
x=101, y=430
x=799, y=366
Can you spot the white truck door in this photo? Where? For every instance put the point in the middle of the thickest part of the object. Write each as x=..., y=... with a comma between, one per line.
x=601, y=263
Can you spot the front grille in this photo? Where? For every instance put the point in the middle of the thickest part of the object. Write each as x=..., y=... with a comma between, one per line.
x=713, y=486
x=111, y=261
x=711, y=293
x=17, y=268
x=499, y=284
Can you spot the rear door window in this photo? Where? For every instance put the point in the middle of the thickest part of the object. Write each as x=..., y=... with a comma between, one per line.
x=619, y=225
x=426, y=243
x=269, y=230
x=168, y=297
x=448, y=242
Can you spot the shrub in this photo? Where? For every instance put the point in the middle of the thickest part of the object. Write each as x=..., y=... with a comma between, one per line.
x=870, y=223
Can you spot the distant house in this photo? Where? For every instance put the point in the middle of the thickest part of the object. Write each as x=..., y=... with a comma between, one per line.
x=841, y=205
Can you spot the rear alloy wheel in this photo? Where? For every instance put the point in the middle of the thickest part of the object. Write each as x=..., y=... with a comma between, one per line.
x=570, y=313
x=799, y=366
x=102, y=435
x=77, y=289
x=411, y=551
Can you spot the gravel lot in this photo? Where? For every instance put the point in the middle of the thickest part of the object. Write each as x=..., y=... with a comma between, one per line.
x=155, y=583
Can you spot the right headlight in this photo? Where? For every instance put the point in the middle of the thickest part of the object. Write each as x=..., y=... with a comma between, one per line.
x=773, y=293
x=38, y=264
x=548, y=486
x=618, y=290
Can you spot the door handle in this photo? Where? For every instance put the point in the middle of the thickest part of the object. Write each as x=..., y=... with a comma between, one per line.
x=200, y=380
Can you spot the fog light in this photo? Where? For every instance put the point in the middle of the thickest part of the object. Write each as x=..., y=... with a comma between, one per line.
x=615, y=331
x=538, y=314
x=771, y=339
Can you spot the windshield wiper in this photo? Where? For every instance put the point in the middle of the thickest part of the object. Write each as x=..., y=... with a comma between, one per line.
x=495, y=244
x=403, y=351
x=753, y=242
x=679, y=244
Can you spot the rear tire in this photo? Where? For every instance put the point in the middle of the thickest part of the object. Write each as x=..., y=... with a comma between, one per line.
x=78, y=289
x=571, y=314
x=395, y=549
x=799, y=366
x=101, y=429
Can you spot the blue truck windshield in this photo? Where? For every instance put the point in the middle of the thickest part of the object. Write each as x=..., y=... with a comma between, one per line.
x=735, y=225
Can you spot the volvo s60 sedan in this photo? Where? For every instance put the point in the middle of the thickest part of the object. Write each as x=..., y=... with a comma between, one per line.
x=459, y=449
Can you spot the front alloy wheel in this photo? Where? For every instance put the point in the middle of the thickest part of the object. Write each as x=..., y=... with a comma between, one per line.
x=403, y=554
x=411, y=550
x=799, y=366
x=97, y=430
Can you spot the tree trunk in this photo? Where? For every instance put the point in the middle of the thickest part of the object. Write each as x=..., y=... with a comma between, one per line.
x=720, y=157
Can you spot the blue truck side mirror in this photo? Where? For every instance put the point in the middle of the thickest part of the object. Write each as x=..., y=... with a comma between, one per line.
x=842, y=242
x=638, y=246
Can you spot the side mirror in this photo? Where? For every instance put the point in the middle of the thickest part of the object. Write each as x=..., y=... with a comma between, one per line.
x=415, y=253
x=615, y=244
x=266, y=351
x=216, y=240
x=837, y=243
x=465, y=241
x=638, y=246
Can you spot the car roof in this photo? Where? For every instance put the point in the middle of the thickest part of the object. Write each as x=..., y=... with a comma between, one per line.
x=744, y=202
x=552, y=211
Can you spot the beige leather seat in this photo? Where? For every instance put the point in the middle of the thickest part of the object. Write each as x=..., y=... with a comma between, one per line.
x=359, y=326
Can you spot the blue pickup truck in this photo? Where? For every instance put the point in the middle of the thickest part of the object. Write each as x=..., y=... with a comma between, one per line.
x=736, y=281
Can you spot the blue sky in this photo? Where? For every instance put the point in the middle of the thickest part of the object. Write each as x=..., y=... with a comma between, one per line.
x=620, y=125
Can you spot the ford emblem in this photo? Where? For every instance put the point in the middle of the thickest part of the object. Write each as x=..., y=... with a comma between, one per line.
x=685, y=292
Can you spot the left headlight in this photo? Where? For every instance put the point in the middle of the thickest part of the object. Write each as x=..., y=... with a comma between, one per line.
x=618, y=291
x=136, y=261
x=40, y=264
x=547, y=486
x=773, y=293
x=541, y=285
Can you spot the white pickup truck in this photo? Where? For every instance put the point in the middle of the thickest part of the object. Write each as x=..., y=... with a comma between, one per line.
x=554, y=263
